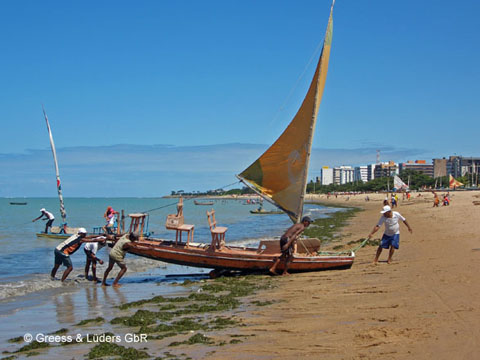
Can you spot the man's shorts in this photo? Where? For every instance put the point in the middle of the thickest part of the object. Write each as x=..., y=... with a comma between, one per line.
x=61, y=258
x=288, y=252
x=119, y=262
x=393, y=240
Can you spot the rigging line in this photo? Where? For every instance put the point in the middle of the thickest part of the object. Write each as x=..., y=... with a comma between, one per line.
x=187, y=199
x=287, y=99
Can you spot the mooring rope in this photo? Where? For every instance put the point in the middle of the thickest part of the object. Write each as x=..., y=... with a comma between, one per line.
x=187, y=199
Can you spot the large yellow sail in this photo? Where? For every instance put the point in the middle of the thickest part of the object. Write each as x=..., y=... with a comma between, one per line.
x=280, y=173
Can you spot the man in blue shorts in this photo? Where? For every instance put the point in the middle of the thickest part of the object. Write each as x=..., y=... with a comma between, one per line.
x=391, y=236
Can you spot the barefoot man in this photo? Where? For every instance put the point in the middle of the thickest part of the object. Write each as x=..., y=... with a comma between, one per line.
x=117, y=255
x=286, y=244
x=391, y=236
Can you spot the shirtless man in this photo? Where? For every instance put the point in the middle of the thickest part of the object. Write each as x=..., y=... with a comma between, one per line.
x=286, y=244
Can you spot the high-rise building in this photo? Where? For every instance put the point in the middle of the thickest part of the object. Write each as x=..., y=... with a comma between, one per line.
x=419, y=166
x=385, y=169
x=364, y=173
x=326, y=176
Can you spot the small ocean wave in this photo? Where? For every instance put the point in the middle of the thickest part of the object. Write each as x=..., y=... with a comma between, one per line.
x=14, y=287
x=29, y=285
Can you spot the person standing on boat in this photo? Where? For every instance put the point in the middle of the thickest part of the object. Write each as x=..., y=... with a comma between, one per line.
x=91, y=250
x=391, y=236
x=110, y=218
x=48, y=216
x=286, y=244
x=65, y=249
x=117, y=256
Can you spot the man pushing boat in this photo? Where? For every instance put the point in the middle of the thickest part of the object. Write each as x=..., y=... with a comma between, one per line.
x=286, y=244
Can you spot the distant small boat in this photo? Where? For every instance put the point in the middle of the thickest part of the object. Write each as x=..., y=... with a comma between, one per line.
x=265, y=212
x=202, y=203
x=17, y=203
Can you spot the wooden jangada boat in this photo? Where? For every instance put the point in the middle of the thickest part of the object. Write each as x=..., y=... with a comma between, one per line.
x=280, y=177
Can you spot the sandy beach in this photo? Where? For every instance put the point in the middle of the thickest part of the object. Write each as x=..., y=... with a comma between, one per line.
x=424, y=305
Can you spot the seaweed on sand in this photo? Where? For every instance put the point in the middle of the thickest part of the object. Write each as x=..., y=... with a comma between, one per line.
x=110, y=349
x=88, y=321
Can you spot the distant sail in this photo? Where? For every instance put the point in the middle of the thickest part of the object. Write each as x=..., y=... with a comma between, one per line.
x=63, y=213
x=398, y=184
x=454, y=183
x=280, y=174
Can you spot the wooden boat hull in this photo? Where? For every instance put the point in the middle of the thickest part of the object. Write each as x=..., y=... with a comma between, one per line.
x=202, y=203
x=256, y=212
x=53, y=236
x=233, y=258
x=18, y=203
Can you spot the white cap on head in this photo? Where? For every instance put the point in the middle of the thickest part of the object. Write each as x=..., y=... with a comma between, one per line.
x=386, y=208
x=42, y=209
x=82, y=231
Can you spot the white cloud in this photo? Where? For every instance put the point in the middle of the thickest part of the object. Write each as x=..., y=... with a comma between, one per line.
x=152, y=170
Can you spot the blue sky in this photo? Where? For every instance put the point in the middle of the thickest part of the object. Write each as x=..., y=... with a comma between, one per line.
x=174, y=77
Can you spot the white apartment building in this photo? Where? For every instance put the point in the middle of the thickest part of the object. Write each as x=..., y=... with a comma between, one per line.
x=326, y=177
x=343, y=175
x=364, y=173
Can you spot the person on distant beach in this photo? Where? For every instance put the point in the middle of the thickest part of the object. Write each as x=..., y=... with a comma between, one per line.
x=65, y=249
x=48, y=216
x=117, y=256
x=393, y=201
x=286, y=244
x=446, y=201
x=385, y=202
x=391, y=236
x=91, y=250
x=110, y=218
x=436, y=200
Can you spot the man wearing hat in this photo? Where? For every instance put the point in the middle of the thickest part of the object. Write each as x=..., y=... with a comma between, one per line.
x=48, y=216
x=286, y=244
x=391, y=236
x=63, y=251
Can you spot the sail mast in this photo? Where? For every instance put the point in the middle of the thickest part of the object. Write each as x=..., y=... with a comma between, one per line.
x=280, y=173
x=63, y=213
x=317, y=99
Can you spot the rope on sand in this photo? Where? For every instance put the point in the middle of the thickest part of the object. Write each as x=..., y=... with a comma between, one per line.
x=355, y=249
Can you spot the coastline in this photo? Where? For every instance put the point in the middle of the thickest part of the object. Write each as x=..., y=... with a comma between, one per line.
x=422, y=306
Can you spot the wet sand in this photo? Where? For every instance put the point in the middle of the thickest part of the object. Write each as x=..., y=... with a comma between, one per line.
x=424, y=305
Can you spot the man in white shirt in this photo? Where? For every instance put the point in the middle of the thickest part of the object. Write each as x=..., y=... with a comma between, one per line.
x=391, y=236
x=48, y=216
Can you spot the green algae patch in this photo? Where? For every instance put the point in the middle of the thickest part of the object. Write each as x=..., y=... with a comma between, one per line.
x=16, y=339
x=263, y=303
x=325, y=229
x=11, y=357
x=235, y=341
x=142, y=317
x=89, y=321
x=195, y=339
x=32, y=353
x=33, y=346
x=109, y=350
x=154, y=300
x=222, y=323
x=60, y=331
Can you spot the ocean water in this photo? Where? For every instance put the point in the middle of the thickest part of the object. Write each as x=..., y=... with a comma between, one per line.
x=26, y=261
